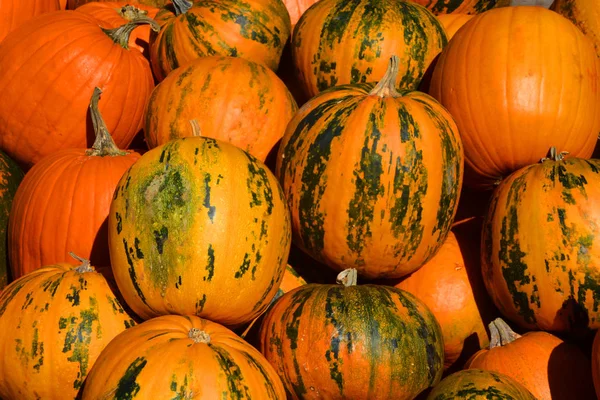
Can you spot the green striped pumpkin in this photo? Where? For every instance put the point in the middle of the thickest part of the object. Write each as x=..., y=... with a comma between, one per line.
x=11, y=176
x=372, y=177
x=461, y=6
x=199, y=227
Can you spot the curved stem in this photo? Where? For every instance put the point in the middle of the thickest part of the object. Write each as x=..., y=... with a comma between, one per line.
x=501, y=334
x=182, y=6
x=387, y=85
x=196, y=130
x=348, y=277
x=85, y=264
x=131, y=13
x=199, y=336
x=121, y=34
x=555, y=155
x=104, y=144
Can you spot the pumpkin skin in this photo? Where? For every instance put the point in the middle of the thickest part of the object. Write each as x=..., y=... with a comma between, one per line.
x=477, y=384
x=453, y=22
x=254, y=30
x=548, y=367
x=352, y=342
x=258, y=104
x=10, y=179
x=76, y=56
x=529, y=104
x=205, y=361
x=339, y=42
x=372, y=177
x=447, y=7
x=62, y=205
x=540, y=244
x=296, y=8
x=584, y=14
x=15, y=13
x=60, y=317
x=73, y=4
x=199, y=227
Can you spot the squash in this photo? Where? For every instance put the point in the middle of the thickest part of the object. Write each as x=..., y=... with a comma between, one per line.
x=13, y=13
x=10, y=179
x=230, y=98
x=541, y=238
x=199, y=227
x=584, y=14
x=251, y=29
x=50, y=66
x=372, y=177
x=443, y=7
x=54, y=322
x=63, y=203
x=453, y=22
x=338, y=42
x=353, y=342
x=518, y=99
x=296, y=8
x=548, y=367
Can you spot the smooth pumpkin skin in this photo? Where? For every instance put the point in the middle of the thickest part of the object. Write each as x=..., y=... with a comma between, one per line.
x=296, y=8
x=357, y=342
x=540, y=246
x=447, y=7
x=453, y=22
x=10, y=179
x=520, y=102
x=50, y=66
x=256, y=30
x=583, y=13
x=14, y=13
x=338, y=42
x=54, y=322
x=232, y=99
x=477, y=384
x=199, y=227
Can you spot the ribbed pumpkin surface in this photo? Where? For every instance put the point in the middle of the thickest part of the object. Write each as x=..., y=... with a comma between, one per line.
x=14, y=12
x=10, y=179
x=583, y=13
x=443, y=7
x=199, y=227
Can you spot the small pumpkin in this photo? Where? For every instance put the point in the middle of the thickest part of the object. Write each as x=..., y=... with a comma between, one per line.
x=10, y=179
x=453, y=22
x=54, y=322
x=584, y=14
x=13, y=13
x=230, y=98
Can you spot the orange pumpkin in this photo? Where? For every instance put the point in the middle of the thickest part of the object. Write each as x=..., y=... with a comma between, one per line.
x=453, y=22
x=63, y=202
x=296, y=8
x=14, y=13
x=533, y=84
x=583, y=13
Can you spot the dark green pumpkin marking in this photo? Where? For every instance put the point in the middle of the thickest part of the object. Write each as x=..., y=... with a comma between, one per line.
x=160, y=237
x=269, y=384
x=210, y=266
x=244, y=267
x=236, y=385
x=211, y=209
x=128, y=388
x=132, y=273
x=119, y=223
x=200, y=304
x=182, y=392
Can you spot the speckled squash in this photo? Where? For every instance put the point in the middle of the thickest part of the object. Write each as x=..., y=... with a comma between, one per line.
x=372, y=177
x=230, y=99
x=54, y=322
x=338, y=42
x=256, y=30
x=10, y=179
x=14, y=13
x=583, y=13
x=477, y=384
x=541, y=240
x=443, y=7
x=352, y=342
x=199, y=227
x=453, y=22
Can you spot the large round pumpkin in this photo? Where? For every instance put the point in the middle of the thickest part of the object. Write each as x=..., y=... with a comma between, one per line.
x=338, y=42
x=14, y=13
x=50, y=65
x=352, y=342
x=533, y=83
x=63, y=203
x=372, y=177
x=230, y=98
x=54, y=322
x=256, y=30
x=584, y=14
x=541, y=240
x=548, y=367
x=199, y=227
x=10, y=179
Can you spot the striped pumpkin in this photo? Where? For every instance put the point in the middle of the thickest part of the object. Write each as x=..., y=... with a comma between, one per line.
x=54, y=322
x=181, y=357
x=583, y=13
x=256, y=30
x=199, y=227
x=10, y=179
x=352, y=342
x=372, y=177
x=338, y=42
x=231, y=99
x=442, y=7
x=541, y=240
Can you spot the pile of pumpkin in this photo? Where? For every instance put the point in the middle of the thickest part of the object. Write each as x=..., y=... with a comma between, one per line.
x=257, y=199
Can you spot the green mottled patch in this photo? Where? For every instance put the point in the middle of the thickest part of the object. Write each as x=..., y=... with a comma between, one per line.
x=128, y=387
x=236, y=384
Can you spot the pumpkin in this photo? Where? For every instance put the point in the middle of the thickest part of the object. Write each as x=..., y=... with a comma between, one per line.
x=63, y=203
x=547, y=366
x=181, y=357
x=252, y=29
x=296, y=8
x=372, y=177
x=519, y=100
x=444, y=7
x=199, y=227
x=49, y=67
x=540, y=242
x=339, y=42
x=596, y=363
x=477, y=384
x=54, y=322
x=584, y=14
x=14, y=13
x=231, y=99
x=10, y=179
x=73, y=4
x=353, y=342
x=117, y=13
x=453, y=22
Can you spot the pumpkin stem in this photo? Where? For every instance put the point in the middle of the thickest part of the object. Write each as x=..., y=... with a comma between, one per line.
x=501, y=334
x=130, y=12
x=181, y=6
x=387, y=85
x=199, y=336
x=196, y=131
x=85, y=264
x=121, y=34
x=554, y=155
x=104, y=145
x=348, y=277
